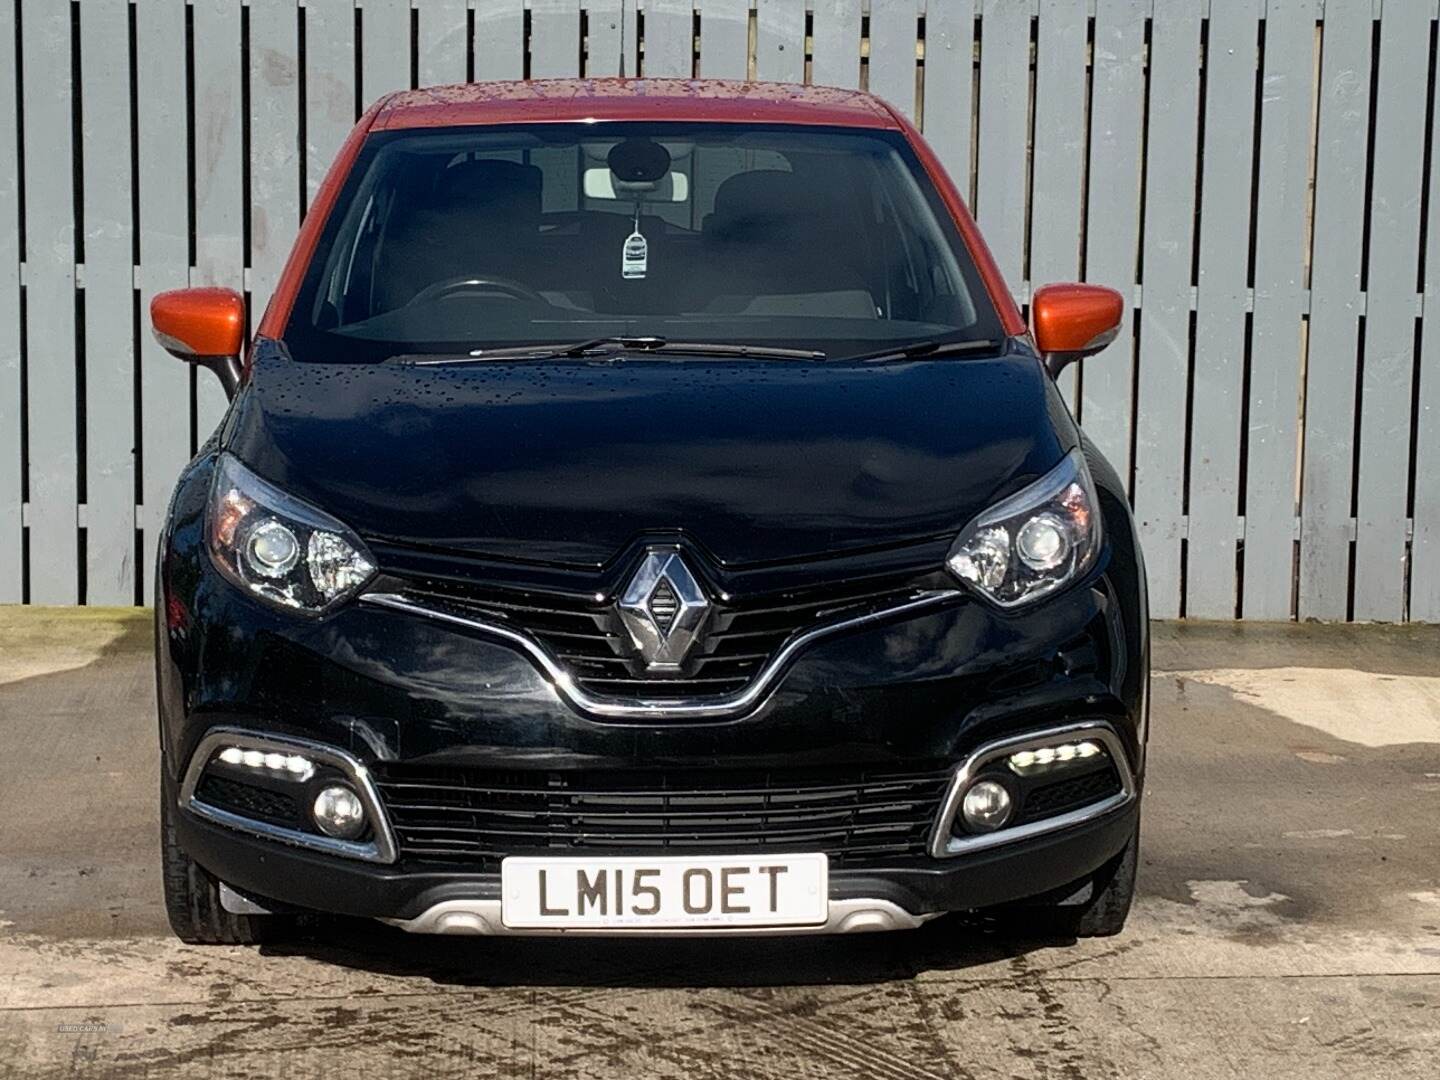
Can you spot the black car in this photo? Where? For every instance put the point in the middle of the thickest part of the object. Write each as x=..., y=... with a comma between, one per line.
x=643, y=510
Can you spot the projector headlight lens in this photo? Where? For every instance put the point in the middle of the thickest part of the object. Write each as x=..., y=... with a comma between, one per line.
x=277, y=548
x=1036, y=541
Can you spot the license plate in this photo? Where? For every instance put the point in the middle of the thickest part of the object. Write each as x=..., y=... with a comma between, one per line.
x=663, y=892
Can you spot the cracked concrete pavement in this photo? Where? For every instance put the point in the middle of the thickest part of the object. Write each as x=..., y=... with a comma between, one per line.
x=1288, y=923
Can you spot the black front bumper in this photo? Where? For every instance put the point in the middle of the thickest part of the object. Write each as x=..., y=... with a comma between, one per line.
x=265, y=870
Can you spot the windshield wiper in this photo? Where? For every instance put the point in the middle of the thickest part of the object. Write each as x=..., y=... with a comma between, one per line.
x=600, y=345
x=925, y=348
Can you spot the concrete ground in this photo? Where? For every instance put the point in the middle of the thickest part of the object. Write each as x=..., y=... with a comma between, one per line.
x=1288, y=923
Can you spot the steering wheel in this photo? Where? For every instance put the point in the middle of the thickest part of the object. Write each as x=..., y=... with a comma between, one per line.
x=441, y=290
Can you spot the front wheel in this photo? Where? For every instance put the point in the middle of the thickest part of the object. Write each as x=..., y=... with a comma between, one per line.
x=192, y=897
x=1102, y=914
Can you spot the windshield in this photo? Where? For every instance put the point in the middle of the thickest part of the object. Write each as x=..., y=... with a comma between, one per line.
x=454, y=241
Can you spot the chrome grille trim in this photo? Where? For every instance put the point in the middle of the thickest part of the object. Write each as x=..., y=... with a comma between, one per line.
x=716, y=708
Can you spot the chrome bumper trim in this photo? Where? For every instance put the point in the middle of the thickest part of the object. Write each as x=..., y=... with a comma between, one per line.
x=857, y=916
x=943, y=845
x=605, y=708
x=379, y=850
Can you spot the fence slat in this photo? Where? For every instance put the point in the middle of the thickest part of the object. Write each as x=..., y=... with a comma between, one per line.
x=499, y=43
x=50, y=304
x=725, y=39
x=1276, y=359
x=12, y=584
x=1004, y=110
x=441, y=42
x=949, y=88
x=1059, y=168
x=385, y=46
x=1425, y=551
x=329, y=85
x=274, y=153
x=1335, y=307
x=1385, y=385
x=835, y=52
x=554, y=39
x=219, y=164
x=604, y=39
x=1165, y=314
x=894, y=29
x=780, y=40
x=109, y=305
x=1225, y=189
x=164, y=262
x=1112, y=217
x=669, y=39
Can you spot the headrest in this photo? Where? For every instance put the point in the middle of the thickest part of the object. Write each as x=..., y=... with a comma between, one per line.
x=751, y=202
x=500, y=187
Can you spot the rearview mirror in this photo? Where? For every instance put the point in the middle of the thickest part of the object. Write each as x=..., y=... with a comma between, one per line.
x=202, y=326
x=1074, y=321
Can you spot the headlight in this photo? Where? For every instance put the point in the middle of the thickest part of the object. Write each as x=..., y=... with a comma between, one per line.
x=1035, y=541
x=278, y=548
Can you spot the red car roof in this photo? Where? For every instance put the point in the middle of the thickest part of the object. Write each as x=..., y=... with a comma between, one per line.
x=562, y=100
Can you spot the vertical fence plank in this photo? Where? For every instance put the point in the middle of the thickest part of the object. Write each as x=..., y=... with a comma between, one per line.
x=780, y=40
x=725, y=39
x=1276, y=359
x=50, y=303
x=499, y=40
x=385, y=47
x=164, y=261
x=1113, y=214
x=1059, y=169
x=554, y=39
x=1004, y=116
x=12, y=585
x=1335, y=307
x=329, y=85
x=894, y=29
x=1165, y=314
x=219, y=164
x=669, y=39
x=1385, y=385
x=109, y=304
x=836, y=49
x=604, y=39
x=441, y=42
x=274, y=143
x=1425, y=551
x=1225, y=190
x=948, y=97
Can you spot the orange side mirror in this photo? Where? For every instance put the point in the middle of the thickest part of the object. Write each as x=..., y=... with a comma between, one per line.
x=1074, y=321
x=203, y=326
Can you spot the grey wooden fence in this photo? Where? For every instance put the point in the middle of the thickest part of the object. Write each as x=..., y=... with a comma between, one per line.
x=1256, y=174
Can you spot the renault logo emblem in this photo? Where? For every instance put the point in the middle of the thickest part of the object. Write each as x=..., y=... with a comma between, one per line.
x=663, y=609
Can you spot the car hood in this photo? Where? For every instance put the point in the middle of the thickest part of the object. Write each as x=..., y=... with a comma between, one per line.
x=568, y=462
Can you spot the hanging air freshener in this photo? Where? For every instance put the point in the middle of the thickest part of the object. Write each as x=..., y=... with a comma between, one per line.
x=635, y=255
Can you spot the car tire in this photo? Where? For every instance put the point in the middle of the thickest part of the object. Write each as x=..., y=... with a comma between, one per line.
x=1103, y=914
x=192, y=898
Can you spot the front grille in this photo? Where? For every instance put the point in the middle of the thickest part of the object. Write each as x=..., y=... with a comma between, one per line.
x=475, y=817
x=588, y=638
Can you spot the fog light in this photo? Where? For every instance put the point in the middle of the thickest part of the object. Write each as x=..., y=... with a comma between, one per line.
x=338, y=812
x=986, y=806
